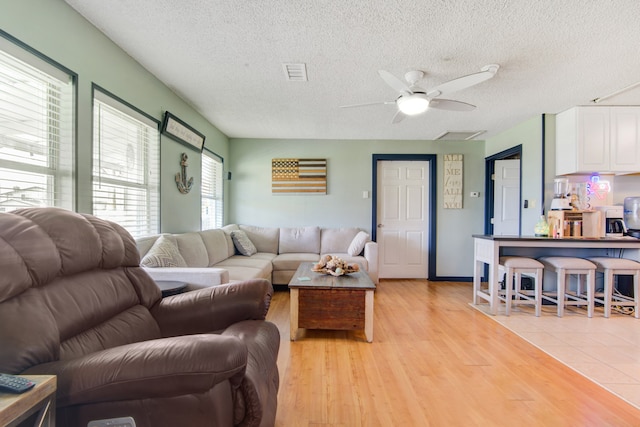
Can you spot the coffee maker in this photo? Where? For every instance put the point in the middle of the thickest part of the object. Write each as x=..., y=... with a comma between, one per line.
x=632, y=216
x=612, y=220
x=561, y=200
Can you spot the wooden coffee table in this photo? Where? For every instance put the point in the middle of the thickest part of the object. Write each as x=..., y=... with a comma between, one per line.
x=322, y=301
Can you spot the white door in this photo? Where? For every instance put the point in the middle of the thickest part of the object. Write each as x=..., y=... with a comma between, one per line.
x=506, y=202
x=403, y=220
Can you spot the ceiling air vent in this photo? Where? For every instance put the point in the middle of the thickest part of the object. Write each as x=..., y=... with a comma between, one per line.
x=295, y=72
x=459, y=136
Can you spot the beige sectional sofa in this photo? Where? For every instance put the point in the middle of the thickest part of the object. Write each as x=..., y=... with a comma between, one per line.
x=210, y=257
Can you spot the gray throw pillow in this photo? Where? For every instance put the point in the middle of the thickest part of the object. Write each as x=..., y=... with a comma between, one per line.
x=242, y=243
x=163, y=253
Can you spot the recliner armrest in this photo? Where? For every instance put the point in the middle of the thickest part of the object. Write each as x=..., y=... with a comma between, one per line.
x=213, y=309
x=156, y=368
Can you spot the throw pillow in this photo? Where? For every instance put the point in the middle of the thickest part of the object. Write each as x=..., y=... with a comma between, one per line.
x=242, y=243
x=163, y=253
x=357, y=244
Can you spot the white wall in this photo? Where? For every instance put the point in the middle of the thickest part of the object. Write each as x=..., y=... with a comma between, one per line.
x=349, y=173
x=57, y=31
x=625, y=186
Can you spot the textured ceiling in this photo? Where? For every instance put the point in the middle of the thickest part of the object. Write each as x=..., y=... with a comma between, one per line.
x=225, y=58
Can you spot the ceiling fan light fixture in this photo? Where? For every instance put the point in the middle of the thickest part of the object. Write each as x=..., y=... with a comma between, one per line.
x=413, y=104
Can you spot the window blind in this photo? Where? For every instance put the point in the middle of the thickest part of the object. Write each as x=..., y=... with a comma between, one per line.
x=212, y=188
x=125, y=166
x=36, y=131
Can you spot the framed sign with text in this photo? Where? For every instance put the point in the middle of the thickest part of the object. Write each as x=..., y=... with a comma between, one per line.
x=182, y=132
x=453, y=181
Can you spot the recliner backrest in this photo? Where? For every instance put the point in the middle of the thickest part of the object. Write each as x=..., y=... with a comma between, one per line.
x=70, y=284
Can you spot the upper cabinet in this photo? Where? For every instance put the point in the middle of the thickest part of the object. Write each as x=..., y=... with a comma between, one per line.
x=598, y=139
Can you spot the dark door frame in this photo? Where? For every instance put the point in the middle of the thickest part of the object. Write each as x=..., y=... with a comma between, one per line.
x=432, y=159
x=489, y=190
x=490, y=169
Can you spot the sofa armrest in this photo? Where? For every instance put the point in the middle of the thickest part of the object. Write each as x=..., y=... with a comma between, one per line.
x=149, y=369
x=196, y=277
x=371, y=255
x=213, y=309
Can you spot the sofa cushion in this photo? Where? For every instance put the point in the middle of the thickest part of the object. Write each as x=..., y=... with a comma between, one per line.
x=242, y=243
x=163, y=253
x=242, y=267
x=300, y=240
x=229, y=228
x=336, y=239
x=265, y=239
x=192, y=249
x=216, y=243
x=357, y=244
x=143, y=244
x=227, y=232
x=292, y=261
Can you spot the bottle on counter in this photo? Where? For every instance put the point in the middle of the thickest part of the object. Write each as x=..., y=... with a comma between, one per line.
x=554, y=230
x=542, y=227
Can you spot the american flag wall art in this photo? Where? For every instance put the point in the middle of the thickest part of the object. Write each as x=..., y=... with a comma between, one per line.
x=299, y=176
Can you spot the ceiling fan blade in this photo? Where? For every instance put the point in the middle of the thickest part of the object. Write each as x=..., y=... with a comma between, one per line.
x=400, y=116
x=450, y=105
x=394, y=82
x=465, y=81
x=367, y=104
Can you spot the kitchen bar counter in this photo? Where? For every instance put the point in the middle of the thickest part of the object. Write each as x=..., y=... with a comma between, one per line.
x=488, y=249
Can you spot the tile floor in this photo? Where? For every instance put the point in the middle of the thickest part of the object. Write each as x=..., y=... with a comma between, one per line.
x=605, y=350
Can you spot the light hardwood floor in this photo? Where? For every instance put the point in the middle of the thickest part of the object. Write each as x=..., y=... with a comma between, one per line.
x=434, y=361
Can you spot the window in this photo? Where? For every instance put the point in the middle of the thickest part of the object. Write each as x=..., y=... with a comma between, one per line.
x=212, y=205
x=36, y=130
x=126, y=146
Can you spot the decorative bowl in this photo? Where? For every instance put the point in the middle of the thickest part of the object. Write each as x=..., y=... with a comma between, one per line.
x=337, y=272
x=334, y=266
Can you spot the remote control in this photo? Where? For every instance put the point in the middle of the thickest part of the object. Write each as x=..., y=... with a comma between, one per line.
x=113, y=422
x=15, y=384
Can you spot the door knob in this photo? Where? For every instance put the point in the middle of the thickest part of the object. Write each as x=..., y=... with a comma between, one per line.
x=380, y=225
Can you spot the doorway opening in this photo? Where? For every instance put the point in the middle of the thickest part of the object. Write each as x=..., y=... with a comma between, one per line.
x=427, y=202
x=514, y=153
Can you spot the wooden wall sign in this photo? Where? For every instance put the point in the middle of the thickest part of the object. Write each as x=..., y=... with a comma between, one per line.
x=299, y=176
x=453, y=164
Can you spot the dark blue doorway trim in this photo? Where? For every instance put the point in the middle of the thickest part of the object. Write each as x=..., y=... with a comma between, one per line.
x=432, y=159
x=490, y=168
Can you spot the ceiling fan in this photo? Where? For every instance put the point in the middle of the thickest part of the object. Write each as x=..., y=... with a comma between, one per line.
x=414, y=100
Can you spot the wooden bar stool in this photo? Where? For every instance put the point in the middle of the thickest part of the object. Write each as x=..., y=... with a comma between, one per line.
x=518, y=266
x=564, y=266
x=615, y=266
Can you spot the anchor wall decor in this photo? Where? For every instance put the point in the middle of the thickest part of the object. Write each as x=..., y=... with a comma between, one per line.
x=184, y=185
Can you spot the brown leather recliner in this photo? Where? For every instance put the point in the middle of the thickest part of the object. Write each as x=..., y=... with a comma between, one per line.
x=75, y=303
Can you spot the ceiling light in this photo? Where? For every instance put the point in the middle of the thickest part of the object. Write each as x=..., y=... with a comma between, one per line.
x=413, y=104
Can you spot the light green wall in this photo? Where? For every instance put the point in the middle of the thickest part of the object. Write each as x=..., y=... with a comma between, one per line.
x=57, y=31
x=529, y=135
x=349, y=174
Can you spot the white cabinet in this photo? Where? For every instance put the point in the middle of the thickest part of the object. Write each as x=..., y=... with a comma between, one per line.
x=624, y=153
x=598, y=139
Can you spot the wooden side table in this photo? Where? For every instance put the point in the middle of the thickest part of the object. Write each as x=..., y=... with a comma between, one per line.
x=171, y=287
x=40, y=400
